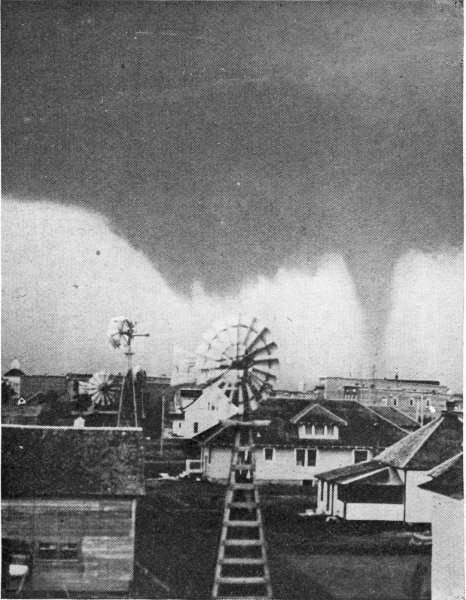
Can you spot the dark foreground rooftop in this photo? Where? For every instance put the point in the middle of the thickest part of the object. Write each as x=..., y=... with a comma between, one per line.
x=71, y=462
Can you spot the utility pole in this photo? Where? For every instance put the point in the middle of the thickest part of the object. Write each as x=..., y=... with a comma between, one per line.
x=162, y=425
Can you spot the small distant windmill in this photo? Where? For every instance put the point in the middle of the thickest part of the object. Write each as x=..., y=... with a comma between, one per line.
x=102, y=388
x=121, y=332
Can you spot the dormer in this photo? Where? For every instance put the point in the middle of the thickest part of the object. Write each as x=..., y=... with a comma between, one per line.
x=318, y=423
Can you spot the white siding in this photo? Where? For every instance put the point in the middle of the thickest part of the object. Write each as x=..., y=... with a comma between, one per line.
x=283, y=468
x=418, y=502
x=447, y=548
x=374, y=512
x=219, y=467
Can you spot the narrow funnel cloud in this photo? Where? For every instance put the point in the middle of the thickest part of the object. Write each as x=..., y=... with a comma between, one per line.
x=424, y=336
x=69, y=274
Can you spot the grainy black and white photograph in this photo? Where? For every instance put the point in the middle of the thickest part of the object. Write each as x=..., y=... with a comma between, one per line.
x=232, y=300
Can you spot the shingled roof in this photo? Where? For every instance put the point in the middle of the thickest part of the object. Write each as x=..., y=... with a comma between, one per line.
x=363, y=429
x=350, y=471
x=428, y=446
x=68, y=462
x=396, y=417
x=447, y=478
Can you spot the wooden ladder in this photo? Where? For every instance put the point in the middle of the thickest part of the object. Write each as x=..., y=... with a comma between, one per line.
x=242, y=571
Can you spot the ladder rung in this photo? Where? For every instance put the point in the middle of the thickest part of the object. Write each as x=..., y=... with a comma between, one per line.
x=251, y=505
x=242, y=597
x=242, y=580
x=241, y=523
x=243, y=561
x=242, y=486
x=243, y=542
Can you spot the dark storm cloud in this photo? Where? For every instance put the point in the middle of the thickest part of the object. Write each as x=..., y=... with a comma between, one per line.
x=228, y=140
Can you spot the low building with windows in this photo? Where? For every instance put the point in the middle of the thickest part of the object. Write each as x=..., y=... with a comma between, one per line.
x=386, y=488
x=68, y=509
x=303, y=439
x=421, y=399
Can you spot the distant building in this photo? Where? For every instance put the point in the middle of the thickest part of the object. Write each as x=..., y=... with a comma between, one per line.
x=447, y=491
x=21, y=414
x=13, y=376
x=201, y=410
x=420, y=399
x=69, y=500
x=303, y=439
x=386, y=488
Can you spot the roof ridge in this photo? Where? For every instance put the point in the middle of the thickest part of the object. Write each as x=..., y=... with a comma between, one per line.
x=419, y=433
x=308, y=409
x=445, y=465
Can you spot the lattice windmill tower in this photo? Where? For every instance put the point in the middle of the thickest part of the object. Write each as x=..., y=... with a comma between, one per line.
x=238, y=356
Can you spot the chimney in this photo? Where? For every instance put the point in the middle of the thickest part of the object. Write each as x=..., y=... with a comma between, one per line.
x=450, y=408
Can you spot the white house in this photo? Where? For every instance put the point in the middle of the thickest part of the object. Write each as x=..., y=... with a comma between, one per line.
x=304, y=438
x=387, y=488
x=199, y=410
x=446, y=490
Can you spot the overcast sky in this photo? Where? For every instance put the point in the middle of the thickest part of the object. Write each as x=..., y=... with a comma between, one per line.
x=180, y=161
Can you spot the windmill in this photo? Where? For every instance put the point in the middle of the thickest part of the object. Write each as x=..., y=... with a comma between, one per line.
x=102, y=388
x=121, y=332
x=238, y=356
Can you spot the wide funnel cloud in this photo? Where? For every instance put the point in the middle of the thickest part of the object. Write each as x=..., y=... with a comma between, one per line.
x=227, y=141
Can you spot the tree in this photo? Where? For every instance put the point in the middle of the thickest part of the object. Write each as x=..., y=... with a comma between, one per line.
x=8, y=393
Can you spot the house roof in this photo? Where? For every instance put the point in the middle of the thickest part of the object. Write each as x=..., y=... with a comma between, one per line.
x=447, y=478
x=67, y=462
x=364, y=428
x=350, y=471
x=425, y=448
x=13, y=373
x=395, y=416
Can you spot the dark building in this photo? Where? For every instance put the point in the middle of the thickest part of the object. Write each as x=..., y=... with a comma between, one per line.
x=68, y=508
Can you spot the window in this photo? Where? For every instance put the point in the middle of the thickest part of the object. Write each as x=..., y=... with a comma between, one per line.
x=360, y=456
x=428, y=402
x=321, y=431
x=196, y=427
x=350, y=392
x=306, y=457
x=268, y=454
x=411, y=402
x=395, y=401
x=311, y=457
x=300, y=457
x=55, y=551
x=47, y=551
